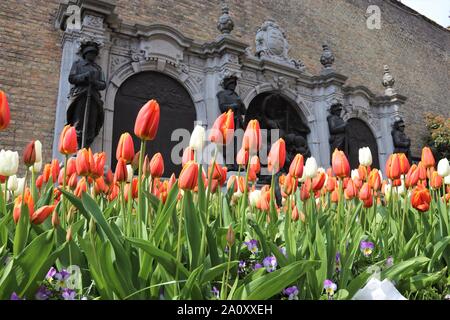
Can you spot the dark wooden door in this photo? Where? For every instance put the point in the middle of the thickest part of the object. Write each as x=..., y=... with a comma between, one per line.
x=177, y=111
x=359, y=136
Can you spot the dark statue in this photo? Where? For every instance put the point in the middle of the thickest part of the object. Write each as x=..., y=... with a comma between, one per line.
x=401, y=141
x=337, y=127
x=87, y=81
x=229, y=99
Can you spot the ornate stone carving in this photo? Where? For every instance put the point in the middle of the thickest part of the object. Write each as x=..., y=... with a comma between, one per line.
x=93, y=21
x=225, y=24
x=271, y=43
x=327, y=58
x=388, y=82
x=280, y=82
x=117, y=62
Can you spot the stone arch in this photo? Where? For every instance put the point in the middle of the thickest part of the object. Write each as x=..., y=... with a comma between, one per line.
x=159, y=65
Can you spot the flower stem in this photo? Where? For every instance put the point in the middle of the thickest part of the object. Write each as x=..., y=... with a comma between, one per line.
x=141, y=212
x=180, y=222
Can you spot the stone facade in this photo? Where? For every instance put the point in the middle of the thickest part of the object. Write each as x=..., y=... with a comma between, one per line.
x=416, y=50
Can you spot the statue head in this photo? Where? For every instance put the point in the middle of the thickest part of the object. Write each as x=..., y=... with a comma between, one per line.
x=399, y=124
x=89, y=51
x=336, y=107
x=229, y=83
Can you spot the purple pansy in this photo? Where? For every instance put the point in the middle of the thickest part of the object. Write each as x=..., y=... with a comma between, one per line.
x=366, y=248
x=68, y=294
x=257, y=266
x=242, y=266
x=270, y=263
x=50, y=274
x=215, y=292
x=14, y=296
x=252, y=246
x=330, y=287
x=43, y=293
x=291, y=292
x=389, y=262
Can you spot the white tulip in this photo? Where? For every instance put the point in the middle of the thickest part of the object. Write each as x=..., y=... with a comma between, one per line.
x=13, y=183
x=447, y=180
x=443, y=167
x=303, y=178
x=2, y=191
x=387, y=191
x=310, y=168
x=378, y=290
x=36, y=167
x=365, y=157
x=355, y=174
x=38, y=150
x=254, y=197
x=20, y=185
x=9, y=163
x=197, y=138
x=130, y=173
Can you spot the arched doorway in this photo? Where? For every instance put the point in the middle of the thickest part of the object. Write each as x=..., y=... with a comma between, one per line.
x=275, y=111
x=177, y=111
x=359, y=135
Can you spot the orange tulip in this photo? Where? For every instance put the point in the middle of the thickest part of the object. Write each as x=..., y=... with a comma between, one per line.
x=46, y=172
x=73, y=181
x=29, y=154
x=351, y=190
x=436, y=180
x=420, y=198
x=412, y=177
x=289, y=184
x=157, y=166
x=100, y=186
x=335, y=196
x=188, y=176
x=81, y=187
x=297, y=165
x=84, y=162
x=147, y=121
x=363, y=172
x=223, y=128
x=18, y=204
x=242, y=157
x=68, y=143
x=305, y=190
x=255, y=165
x=366, y=192
x=42, y=214
x=277, y=156
x=252, y=137
x=340, y=164
x=331, y=184
x=134, y=189
x=427, y=158
x=393, y=167
x=125, y=148
x=39, y=182
x=374, y=179
x=71, y=166
x=121, y=173
x=5, y=116
x=404, y=163
x=113, y=192
x=318, y=181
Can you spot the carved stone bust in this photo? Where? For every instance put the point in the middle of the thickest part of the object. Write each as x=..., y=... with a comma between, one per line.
x=337, y=127
x=401, y=141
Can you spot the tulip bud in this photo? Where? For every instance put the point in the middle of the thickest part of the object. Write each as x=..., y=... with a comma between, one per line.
x=121, y=173
x=13, y=183
x=188, y=176
x=436, y=180
x=297, y=166
x=230, y=237
x=157, y=166
x=252, y=137
x=29, y=154
x=443, y=167
x=147, y=121
x=125, y=148
x=5, y=115
x=68, y=143
x=340, y=164
x=254, y=197
x=242, y=157
x=223, y=128
x=255, y=165
x=55, y=219
x=427, y=158
x=135, y=161
x=9, y=163
x=69, y=234
x=197, y=138
x=393, y=167
x=277, y=156
x=40, y=215
x=310, y=169
x=365, y=157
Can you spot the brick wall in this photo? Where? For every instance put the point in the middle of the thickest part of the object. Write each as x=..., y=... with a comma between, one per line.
x=417, y=51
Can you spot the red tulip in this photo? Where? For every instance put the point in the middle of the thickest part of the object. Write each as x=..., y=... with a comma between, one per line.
x=188, y=176
x=157, y=166
x=85, y=162
x=134, y=189
x=277, y=156
x=113, y=192
x=366, y=192
x=331, y=184
x=100, y=186
x=340, y=164
x=188, y=155
x=172, y=182
x=46, y=172
x=28, y=200
x=147, y=121
x=404, y=163
x=29, y=154
x=54, y=168
x=296, y=167
x=252, y=137
x=368, y=203
x=71, y=166
x=109, y=178
x=125, y=148
x=427, y=158
x=393, y=167
x=420, y=198
x=351, y=190
x=120, y=175
x=242, y=157
x=5, y=116
x=223, y=128
x=68, y=143
x=295, y=214
x=412, y=177
x=318, y=181
x=39, y=182
x=42, y=214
